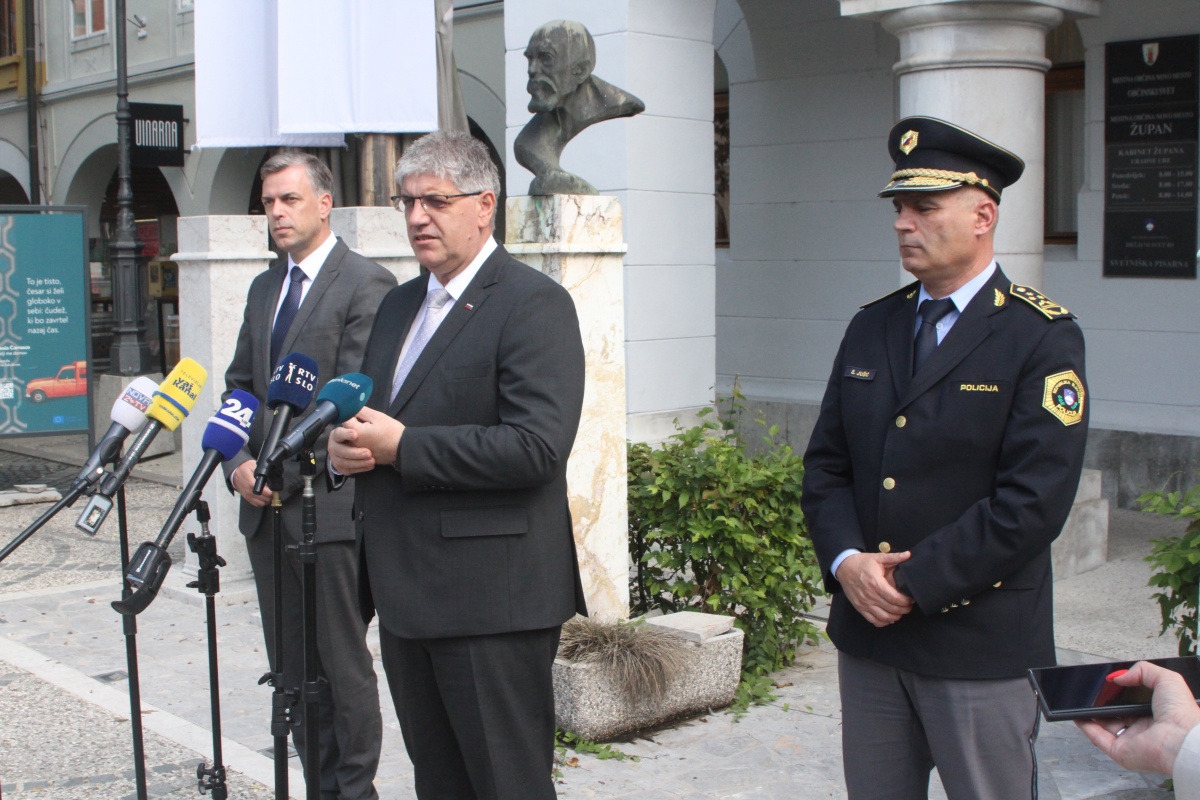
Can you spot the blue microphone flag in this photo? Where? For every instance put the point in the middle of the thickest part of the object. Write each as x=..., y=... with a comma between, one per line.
x=293, y=383
x=349, y=393
x=229, y=429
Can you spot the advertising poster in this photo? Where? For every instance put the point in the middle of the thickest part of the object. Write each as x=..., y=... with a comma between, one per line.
x=1150, y=157
x=44, y=322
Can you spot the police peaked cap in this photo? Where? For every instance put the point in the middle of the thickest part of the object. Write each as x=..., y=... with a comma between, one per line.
x=932, y=155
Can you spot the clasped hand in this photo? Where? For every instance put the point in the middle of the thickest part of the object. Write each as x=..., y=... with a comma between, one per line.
x=369, y=438
x=867, y=580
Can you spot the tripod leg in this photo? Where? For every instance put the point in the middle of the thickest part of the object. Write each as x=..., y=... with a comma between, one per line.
x=129, y=624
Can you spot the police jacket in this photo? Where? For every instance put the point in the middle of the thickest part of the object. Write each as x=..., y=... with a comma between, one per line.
x=972, y=465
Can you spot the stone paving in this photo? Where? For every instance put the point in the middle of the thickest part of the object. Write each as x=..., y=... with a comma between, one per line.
x=64, y=707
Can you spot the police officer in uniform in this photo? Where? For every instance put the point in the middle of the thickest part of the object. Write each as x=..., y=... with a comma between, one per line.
x=942, y=466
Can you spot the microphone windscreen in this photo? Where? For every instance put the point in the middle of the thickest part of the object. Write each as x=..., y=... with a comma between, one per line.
x=349, y=393
x=176, y=395
x=129, y=409
x=229, y=429
x=293, y=383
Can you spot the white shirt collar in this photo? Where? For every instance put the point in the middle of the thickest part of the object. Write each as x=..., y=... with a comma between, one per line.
x=966, y=292
x=458, y=284
x=311, y=266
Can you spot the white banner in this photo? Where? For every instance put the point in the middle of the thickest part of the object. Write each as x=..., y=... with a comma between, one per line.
x=303, y=72
x=366, y=66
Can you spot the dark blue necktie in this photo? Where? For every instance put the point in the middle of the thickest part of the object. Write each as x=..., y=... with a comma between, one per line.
x=927, y=341
x=287, y=313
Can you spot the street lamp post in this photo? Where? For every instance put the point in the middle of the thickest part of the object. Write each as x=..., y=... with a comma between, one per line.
x=130, y=352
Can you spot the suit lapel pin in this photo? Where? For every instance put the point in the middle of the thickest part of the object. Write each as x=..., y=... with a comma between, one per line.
x=469, y=306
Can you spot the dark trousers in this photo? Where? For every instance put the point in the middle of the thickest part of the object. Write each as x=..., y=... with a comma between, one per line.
x=351, y=726
x=897, y=725
x=477, y=713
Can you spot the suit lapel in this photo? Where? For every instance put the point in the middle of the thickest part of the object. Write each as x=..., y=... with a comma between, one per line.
x=899, y=333
x=477, y=293
x=267, y=318
x=973, y=326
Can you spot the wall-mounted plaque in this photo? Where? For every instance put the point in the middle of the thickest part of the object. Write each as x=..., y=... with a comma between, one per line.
x=1150, y=157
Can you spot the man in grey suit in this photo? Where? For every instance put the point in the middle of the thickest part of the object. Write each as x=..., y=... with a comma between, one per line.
x=460, y=459
x=319, y=300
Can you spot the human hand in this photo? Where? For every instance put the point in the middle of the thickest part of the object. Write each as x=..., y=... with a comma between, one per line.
x=1148, y=744
x=866, y=578
x=243, y=483
x=369, y=438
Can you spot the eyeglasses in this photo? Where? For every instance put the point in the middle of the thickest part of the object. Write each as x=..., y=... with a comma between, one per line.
x=429, y=202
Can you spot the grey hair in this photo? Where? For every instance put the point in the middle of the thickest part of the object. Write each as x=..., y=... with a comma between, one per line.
x=453, y=156
x=318, y=174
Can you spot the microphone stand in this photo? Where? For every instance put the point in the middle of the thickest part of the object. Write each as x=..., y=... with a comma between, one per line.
x=307, y=553
x=129, y=623
x=79, y=489
x=208, y=583
x=281, y=698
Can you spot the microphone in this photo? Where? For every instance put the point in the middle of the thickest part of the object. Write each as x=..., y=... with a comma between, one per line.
x=225, y=435
x=339, y=400
x=292, y=387
x=169, y=406
x=128, y=414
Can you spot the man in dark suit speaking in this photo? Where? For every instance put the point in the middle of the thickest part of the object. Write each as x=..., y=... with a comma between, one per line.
x=319, y=300
x=460, y=459
x=942, y=466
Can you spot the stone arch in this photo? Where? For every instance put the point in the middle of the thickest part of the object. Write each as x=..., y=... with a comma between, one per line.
x=732, y=41
x=14, y=162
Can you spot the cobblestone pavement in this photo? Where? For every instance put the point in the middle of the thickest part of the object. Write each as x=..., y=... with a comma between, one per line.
x=64, y=707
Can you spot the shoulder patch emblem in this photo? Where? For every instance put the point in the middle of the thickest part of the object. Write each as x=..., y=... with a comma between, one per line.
x=1064, y=396
x=1044, y=304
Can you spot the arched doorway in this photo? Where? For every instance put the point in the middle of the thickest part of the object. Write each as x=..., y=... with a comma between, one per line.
x=155, y=213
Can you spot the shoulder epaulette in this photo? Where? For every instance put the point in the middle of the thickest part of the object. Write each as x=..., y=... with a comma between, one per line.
x=1048, y=307
x=907, y=291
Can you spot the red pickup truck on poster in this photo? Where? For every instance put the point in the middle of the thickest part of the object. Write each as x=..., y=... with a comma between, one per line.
x=70, y=381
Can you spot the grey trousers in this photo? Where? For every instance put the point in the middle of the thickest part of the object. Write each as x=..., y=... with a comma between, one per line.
x=896, y=726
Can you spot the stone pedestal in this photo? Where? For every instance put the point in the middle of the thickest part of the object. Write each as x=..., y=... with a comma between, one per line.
x=576, y=239
x=378, y=233
x=219, y=257
x=1083, y=543
x=588, y=702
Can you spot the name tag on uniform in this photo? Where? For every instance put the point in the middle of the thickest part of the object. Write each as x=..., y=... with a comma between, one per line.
x=858, y=373
x=985, y=387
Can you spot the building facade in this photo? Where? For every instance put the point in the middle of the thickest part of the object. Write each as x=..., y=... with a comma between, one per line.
x=802, y=96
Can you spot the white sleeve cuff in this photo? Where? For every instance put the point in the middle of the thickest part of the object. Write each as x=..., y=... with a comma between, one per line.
x=842, y=556
x=1187, y=767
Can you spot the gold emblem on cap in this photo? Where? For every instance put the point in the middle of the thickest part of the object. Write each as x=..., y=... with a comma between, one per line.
x=908, y=142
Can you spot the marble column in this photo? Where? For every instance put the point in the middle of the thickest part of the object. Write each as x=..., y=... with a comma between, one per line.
x=576, y=239
x=219, y=257
x=379, y=233
x=982, y=65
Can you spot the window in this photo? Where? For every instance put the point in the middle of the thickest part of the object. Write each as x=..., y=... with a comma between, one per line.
x=88, y=18
x=1064, y=134
x=9, y=28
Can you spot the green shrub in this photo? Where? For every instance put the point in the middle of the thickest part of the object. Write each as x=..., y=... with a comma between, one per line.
x=715, y=529
x=1176, y=562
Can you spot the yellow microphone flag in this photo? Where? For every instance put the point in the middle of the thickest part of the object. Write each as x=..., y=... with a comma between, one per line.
x=177, y=394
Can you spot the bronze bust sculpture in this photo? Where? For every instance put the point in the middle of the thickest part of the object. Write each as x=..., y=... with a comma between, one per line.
x=566, y=98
